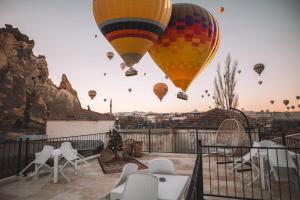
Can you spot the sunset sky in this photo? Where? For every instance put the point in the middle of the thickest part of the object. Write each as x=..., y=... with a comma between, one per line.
x=252, y=31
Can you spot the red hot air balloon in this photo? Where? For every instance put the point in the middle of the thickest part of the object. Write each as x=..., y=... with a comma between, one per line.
x=160, y=90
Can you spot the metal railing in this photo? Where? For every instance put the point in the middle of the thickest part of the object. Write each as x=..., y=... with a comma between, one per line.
x=15, y=155
x=247, y=173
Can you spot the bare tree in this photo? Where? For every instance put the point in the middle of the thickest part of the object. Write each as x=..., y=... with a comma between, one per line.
x=225, y=94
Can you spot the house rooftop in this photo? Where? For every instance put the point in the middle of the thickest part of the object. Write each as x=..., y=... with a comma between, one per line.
x=82, y=115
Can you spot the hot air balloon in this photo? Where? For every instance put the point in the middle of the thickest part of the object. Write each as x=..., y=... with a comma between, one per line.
x=221, y=9
x=104, y=100
x=145, y=74
x=286, y=102
x=96, y=36
x=297, y=97
x=206, y=91
x=187, y=46
x=239, y=71
x=129, y=89
x=292, y=107
x=260, y=82
x=109, y=55
x=92, y=94
x=166, y=77
x=259, y=68
x=272, y=101
x=104, y=74
x=122, y=65
x=298, y=105
x=160, y=90
x=288, y=108
x=208, y=94
x=132, y=26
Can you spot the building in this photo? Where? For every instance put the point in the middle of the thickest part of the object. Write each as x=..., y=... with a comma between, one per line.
x=78, y=122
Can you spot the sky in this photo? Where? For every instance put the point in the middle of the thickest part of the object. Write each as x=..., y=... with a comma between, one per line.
x=252, y=31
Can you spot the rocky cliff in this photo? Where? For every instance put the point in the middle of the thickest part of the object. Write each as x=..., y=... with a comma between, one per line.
x=27, y=94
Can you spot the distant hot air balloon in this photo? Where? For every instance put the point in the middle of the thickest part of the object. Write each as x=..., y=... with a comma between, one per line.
x=259, y=68
x=298, y=105
x=288, y=108
x=286, y=102
x=209, y=107
x=208, y=94
x=104, y=74
x=292, y=107
x=206, y=91
x=96, y=36
x=187, y=46
x=297, y=97
x=239, y=71
x=213, y=97
x=122, y=65
x=104, y=100
x=129, y=89
x=202, y=96
x=221, y=9
x=145, y=74
x=166, y=77
x=272, y=101
x=260, y=82
x=92, y=94
x=160, y=90
x=110, y=55
x=132, y=26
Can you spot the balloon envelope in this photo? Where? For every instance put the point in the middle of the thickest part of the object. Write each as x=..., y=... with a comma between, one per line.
x=110, y=55
x=286, y=102
x=221, y=9
x=259, y=68
x=122, y=65
x=132, y=26
x=160, y=90
x=188, y=44
x=92, y=94
x=272, y=101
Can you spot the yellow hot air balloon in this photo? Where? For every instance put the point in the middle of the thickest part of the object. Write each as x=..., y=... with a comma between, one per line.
x=132, y=26
x=160, y=90
x=92, y=94
x=188, y=44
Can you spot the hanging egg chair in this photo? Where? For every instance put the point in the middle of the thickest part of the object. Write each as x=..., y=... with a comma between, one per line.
x=231, y=134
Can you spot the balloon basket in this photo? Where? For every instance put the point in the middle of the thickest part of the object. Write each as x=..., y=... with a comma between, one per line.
x=131, y=72
x=182, y=95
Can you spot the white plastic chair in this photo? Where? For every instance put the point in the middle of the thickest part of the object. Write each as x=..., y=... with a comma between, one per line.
x=127, y=170
x=161, y=166
x=71, y=158
x=40, y=160
x=82, y=158
x=141, y=187
x=252, y=159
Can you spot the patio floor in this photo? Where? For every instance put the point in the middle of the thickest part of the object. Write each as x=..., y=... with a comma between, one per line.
x=92, y=184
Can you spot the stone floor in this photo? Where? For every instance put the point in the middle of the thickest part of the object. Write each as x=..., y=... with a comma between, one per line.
x=92, y=184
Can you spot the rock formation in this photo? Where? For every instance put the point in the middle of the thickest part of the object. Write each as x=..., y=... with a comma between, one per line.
x=27, y=94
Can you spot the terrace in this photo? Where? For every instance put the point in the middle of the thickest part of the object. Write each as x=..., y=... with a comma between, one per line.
x=211, y=174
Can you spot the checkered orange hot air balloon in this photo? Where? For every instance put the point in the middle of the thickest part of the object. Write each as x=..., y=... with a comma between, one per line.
x=187, y=46
x=160, y=90
x=132, y=26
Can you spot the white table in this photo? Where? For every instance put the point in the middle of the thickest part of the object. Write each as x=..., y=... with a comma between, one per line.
x=56, y=153
x=171, y=189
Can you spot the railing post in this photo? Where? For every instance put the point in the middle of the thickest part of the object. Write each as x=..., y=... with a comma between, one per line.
x=199, y=180
x=26, y=154
x=19, y=155
x=283, y=139
x=149, y=139
x=197, y=140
